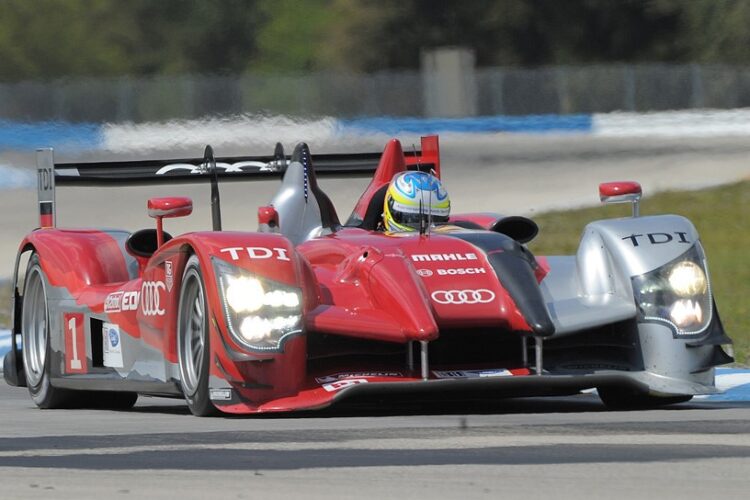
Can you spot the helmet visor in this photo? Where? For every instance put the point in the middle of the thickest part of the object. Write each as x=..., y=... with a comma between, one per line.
x=407, y=216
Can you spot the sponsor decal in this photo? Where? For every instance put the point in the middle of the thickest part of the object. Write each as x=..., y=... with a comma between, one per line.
x=345, y=375
x=151, y=298
x=657, y=238
x=202, y=168
x=46, y=183
x=75, y=343
x=443, y=257
x=256, y=253
x=130, y=300
x=425, y=273
x=169, y=279
x=457, y=297
x=224, y=394
x=461, y=271
x=121, y=301
x=342, y=384
x=114, y=337
x=112, y=345
x=113, y=302
x=497, y=372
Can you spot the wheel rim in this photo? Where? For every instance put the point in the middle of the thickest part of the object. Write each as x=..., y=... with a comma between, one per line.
x=34, y=328
x=192, y=332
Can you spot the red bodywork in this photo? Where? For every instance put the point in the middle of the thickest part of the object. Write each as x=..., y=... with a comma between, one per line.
x=373, y=289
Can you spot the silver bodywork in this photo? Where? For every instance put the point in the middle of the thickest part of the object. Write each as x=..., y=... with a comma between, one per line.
x=298, y=209
x=593, y=288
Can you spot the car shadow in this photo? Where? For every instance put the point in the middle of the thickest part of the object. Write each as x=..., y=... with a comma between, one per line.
x=583, y=403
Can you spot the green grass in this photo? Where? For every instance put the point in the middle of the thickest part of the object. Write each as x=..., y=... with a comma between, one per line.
x=722, y=217
x=5, y=305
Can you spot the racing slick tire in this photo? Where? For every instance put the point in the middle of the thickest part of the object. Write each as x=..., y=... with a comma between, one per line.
x=627, y=398
x=35, y=331
x=193, y=348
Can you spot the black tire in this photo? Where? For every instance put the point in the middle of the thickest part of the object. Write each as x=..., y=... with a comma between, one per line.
x=628, y=398
x=35, y=330
x=193, y=343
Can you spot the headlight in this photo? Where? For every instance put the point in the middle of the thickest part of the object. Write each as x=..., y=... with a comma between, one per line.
x=678, y=293
x=260, y=312
x=244, y=294
x=687, y=279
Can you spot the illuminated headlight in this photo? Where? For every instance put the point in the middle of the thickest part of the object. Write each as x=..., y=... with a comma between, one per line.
x=686, y=312
x=687, y=279
x=257, y=329
x=246, y=294
x=678, y=293
x=260, y=312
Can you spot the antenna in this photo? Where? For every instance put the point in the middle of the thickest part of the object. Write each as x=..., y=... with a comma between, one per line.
x=422, y=227
x=429, y=213
x=417, y=156
x=210, y=161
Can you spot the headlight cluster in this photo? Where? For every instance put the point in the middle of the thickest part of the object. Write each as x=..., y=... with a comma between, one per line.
x=678, y=293
x=260, y=312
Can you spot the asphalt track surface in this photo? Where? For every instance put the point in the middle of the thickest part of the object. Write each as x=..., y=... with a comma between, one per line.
x=537, y=448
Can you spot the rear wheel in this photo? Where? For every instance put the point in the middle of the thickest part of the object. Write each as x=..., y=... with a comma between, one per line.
x=193, y=347
x=35, y=331
x=627, y=398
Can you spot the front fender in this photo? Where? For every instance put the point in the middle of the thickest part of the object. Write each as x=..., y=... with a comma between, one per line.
x=638, y=245
x=77, y=258
x=254, y=377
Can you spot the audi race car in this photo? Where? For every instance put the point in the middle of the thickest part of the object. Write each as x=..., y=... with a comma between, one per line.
x=305, y=311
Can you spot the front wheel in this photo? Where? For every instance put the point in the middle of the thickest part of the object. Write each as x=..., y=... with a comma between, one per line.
x=193, y=346
x=626, y=398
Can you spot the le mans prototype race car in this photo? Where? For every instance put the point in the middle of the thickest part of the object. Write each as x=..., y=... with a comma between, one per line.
x=306, y=311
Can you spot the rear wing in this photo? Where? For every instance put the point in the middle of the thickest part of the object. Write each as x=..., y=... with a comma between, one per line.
x=196, y=170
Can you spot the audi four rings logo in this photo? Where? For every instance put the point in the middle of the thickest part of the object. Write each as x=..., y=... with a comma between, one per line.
x=203, y=168
x=481, y=296
x=151, y=298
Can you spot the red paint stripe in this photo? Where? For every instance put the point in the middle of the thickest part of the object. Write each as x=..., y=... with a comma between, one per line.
x=46, y=220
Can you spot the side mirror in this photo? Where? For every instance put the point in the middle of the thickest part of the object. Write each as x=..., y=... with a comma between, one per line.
x=621, y=192
x=268, y=219
x=175, y=206
x=160, y=208
x=519, y=228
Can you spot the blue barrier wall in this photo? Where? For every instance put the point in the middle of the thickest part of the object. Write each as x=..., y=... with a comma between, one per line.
x=86, y=136
x=481, y=124
x=60, y=135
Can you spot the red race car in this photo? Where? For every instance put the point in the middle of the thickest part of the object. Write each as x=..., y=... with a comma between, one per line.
x=307, y=311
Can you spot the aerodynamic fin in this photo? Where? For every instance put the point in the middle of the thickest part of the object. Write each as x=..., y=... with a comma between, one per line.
x=189, y=170
x=45, y=171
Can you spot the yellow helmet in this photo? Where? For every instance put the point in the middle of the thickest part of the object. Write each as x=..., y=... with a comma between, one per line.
x=412, y=197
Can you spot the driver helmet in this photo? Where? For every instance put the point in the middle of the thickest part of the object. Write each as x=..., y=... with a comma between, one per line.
x=412, y=197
